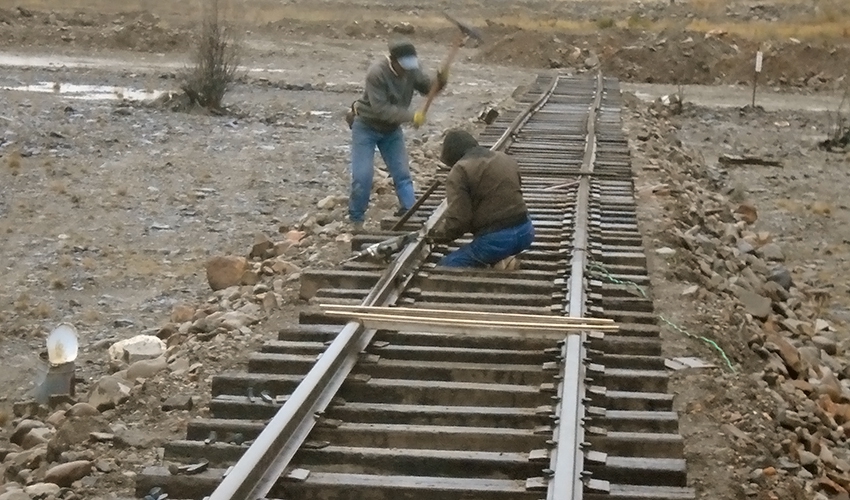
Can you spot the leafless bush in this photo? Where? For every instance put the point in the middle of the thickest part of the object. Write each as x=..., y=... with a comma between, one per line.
x=839, y=133
x=216, y=58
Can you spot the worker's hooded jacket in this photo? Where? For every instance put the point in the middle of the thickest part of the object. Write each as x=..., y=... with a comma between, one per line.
x=386, y=98
x=484, y=194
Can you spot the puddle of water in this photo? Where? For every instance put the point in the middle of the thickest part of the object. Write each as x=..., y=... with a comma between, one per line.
x=57, y=62
x=88, y=92
x=10, y=60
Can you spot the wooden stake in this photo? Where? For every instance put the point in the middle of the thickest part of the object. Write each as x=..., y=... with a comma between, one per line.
x=756, y=75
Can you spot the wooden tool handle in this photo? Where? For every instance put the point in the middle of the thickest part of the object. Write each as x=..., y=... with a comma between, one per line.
x=436, y=85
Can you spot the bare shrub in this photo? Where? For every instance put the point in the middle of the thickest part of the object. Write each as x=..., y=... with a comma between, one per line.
x=216, y=58
x=839, y=134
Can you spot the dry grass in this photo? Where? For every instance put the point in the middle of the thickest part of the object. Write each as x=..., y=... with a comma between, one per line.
x=66, y=261
x=88, y=264
x=59, y=283
x=59, y=187
x=788, y=205
x=638, y=22
x=42, y=310
x=90, y=316
x=22, y=303
x=763, y=30
x=605, y=23
x=821, y=208
x=708, y=7
x=14, y=161
x=830, y=21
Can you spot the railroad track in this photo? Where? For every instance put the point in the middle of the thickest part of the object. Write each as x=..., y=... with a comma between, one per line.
x=333, y=410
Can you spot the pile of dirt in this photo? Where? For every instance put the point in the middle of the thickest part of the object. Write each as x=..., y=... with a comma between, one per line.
x=138, y=31
x=676, y=57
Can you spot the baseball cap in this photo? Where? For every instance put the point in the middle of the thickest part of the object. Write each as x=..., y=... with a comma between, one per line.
x=404, y=52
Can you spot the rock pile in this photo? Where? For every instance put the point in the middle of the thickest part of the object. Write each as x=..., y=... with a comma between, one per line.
x=759, y=306
x=50, y=453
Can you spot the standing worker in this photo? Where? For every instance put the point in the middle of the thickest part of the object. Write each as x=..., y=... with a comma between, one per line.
x=376, y=121
x=484, y=196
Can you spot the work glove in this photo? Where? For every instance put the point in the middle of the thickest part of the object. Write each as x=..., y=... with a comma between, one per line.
x=442, y=79
x=418, y=119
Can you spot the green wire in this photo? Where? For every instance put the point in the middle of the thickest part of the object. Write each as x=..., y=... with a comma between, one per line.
x=700, y=337
x=601, y=271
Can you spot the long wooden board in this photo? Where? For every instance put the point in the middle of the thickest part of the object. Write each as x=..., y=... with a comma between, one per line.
x=468, y=322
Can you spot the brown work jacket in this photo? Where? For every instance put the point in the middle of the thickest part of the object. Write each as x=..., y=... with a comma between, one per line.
x=484, y=194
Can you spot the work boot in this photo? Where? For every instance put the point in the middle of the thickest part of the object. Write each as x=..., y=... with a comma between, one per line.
x=510, y=263
x=357, y=227
x=400, y=212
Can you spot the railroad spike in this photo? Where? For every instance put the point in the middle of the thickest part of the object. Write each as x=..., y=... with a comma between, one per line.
x=266, y=397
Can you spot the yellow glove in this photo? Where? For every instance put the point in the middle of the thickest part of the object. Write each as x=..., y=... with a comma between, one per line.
x=418, y=119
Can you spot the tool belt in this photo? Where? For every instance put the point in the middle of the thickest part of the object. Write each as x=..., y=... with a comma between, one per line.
x=350, y=114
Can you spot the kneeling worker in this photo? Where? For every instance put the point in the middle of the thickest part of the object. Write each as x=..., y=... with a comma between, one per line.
x=484, y=196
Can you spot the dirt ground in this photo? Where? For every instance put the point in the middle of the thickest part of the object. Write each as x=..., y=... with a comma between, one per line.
x=110, y=207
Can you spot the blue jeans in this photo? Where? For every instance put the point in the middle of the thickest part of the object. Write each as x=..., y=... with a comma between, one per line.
x=492, y=247
x=364, y=139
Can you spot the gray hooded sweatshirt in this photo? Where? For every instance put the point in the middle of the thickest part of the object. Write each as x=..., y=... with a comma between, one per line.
x=386, y=99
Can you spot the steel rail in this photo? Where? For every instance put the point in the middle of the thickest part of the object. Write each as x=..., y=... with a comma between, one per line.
x=567, y=459
x=523, y=117
x=263, y=463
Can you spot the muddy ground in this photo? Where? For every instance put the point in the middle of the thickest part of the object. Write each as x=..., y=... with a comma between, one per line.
x=109, y=207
